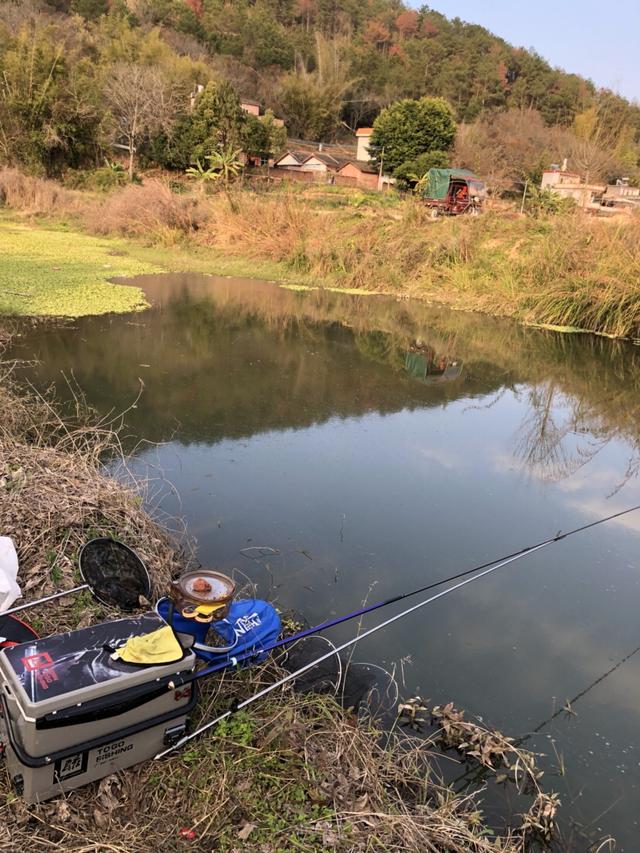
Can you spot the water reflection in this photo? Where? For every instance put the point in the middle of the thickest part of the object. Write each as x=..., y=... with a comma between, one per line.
x=422, y=362
x=222, y=359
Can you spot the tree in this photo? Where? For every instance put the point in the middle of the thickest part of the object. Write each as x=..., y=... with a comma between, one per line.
x=414, y=171
x=605, y=142
x=262, y=136
x=255, y=139
x=49, y=103
x=310, y=110
x=592, y=161
x=266, y=42
x=409, y=128
x=217, y=121
x=511, y=147
x=90, y=9
x=407, y=23
x=311, y=100
x=141, y=104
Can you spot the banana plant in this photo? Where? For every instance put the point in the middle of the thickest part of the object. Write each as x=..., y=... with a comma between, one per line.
x=202, y=174
x=226, y=163
x=224, y=166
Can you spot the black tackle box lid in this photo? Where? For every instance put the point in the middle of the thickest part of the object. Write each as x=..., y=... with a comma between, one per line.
x=65, y=669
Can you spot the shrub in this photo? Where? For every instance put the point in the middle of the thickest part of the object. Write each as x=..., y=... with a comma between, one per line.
x=150, y=209
x=540, y=202
x=410, y=172
x=107, y=177
x=35, y=195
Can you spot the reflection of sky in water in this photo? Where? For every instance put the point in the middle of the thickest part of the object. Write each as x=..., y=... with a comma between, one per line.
x=313, y=440
x=395, y=501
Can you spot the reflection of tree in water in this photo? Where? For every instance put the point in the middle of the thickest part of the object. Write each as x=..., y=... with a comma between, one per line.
x=380, y=347
x=631, y=472
x=559, y=434
x=225, y=358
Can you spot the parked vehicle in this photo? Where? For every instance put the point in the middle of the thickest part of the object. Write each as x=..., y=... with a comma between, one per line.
x=452, y=192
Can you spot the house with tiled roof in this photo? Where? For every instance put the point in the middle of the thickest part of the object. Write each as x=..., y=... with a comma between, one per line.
x=345, y=163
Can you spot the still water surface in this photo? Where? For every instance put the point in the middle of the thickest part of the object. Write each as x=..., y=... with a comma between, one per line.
x=377, y=445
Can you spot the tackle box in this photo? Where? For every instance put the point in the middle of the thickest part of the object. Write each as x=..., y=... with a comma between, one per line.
x=69, y=714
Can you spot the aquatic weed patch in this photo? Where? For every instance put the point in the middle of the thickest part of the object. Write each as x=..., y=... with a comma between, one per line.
x=56, y=273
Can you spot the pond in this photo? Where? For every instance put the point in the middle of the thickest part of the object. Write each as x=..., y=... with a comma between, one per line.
x=338, y=448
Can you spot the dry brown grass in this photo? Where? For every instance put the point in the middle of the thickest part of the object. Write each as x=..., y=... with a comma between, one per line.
x=36, y=196
x=378, y=249
x=297, y=773
x=568, y=270
x=273, y=230
x=55, y=495
x=150, y=210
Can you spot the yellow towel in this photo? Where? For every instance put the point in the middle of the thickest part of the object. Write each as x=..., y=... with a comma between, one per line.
x=159, y=646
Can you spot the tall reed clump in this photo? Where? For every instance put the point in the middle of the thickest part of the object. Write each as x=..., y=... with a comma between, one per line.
x=150, y=210
x=36, y=196
x=586, y=273
x=276, y=227
x=568, y=270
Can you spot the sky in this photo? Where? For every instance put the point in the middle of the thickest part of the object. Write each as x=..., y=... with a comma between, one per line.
x=597, y=40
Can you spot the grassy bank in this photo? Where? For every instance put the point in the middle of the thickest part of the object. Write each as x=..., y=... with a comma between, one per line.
x=567, y=271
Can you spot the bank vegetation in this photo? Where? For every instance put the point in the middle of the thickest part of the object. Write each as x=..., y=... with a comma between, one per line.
x=566, y=270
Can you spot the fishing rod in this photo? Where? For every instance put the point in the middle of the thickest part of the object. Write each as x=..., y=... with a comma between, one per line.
x=494, y=566
x=338, y=620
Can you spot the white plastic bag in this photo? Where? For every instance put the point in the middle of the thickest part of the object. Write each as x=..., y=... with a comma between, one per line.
x=9, y=589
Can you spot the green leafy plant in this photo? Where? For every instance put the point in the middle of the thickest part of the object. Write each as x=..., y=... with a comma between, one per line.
x=414, y=174
x=409, y=128
x=226, y=163
x=541, y=202
x=224, y=166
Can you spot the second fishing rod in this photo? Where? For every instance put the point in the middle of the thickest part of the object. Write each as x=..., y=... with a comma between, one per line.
x=236, y=705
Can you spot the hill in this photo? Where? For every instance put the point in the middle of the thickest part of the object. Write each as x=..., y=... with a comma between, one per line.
x=325, y=66
x=371, y=52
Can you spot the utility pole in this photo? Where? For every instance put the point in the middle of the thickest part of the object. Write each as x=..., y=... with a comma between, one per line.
x=380, y=169
x=524, y=195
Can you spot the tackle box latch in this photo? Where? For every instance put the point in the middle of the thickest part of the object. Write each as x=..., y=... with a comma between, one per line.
x=173, y=734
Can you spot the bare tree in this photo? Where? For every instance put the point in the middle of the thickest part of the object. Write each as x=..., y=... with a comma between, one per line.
x=141, y=102
x=593, y=161
x=508, y=147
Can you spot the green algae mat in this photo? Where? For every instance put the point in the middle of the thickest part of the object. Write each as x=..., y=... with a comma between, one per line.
x=48, y=272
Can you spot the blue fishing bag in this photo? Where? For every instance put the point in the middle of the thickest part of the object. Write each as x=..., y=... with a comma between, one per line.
x=250, y=625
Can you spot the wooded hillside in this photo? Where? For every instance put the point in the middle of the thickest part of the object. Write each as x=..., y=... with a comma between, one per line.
x=325, y=66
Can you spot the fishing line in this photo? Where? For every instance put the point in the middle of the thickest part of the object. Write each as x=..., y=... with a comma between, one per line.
x=293, y=675
x=475, y=774
x=330, y=623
